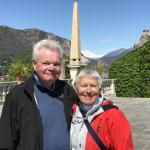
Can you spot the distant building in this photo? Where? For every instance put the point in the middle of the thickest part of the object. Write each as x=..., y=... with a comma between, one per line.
x=144, y=38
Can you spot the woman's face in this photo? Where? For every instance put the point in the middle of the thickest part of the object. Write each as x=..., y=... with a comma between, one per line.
x=88, y=90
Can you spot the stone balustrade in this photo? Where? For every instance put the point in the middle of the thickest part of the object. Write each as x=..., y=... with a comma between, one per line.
x=5, y=88
x=108, y=88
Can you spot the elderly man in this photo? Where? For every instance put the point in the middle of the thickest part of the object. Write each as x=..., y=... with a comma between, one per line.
x=37, y=113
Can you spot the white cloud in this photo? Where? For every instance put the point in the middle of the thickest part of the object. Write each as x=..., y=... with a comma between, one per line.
x=106, y=40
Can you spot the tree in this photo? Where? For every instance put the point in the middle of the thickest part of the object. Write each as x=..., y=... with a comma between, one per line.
x=21, y=67
x=19, y=71
x=100, y=68
x=66, y=63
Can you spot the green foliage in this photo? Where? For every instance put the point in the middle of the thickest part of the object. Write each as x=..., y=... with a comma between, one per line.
x=100, y=68
x=4, y=62
x=132, y=73
x=21, y=66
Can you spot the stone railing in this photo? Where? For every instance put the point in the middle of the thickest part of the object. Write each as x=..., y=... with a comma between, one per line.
x=5, y=87
x=108, y=88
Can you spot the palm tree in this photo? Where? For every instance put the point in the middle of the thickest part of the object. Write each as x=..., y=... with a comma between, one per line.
x=19, y=70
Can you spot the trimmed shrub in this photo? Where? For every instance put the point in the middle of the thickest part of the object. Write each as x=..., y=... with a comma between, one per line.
x=132, y=73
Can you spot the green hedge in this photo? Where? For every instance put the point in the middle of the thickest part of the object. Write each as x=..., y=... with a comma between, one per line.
x=132, y=73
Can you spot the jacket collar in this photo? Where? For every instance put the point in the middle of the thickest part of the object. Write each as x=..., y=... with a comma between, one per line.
x=29, y=87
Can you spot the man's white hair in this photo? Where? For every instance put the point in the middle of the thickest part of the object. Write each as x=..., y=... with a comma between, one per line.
x=50, y=44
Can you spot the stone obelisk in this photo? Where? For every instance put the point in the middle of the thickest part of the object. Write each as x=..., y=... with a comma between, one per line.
x=75, y=52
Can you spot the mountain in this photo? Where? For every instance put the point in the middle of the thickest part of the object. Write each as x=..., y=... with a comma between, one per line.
x=105, y=60
x=117, y=54
x=13, y=41
x=112, y=56
x=87, y=60
x=90, y=54
x=89, y=57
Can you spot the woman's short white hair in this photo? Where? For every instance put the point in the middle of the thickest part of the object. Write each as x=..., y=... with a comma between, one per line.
x=50, y=44
x=88, y=72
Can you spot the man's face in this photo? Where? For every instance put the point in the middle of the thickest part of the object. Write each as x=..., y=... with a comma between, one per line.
x=48, y=66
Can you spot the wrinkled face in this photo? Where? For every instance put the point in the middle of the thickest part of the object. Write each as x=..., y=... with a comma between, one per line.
x=88, y=90
x=48, y=66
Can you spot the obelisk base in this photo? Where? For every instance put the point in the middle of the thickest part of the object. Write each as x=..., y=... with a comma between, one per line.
x=74, y=69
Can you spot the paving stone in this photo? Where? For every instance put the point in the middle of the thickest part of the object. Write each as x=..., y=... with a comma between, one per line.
x=137, y=111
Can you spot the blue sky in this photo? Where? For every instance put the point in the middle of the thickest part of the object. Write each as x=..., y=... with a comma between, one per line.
x=105, y=25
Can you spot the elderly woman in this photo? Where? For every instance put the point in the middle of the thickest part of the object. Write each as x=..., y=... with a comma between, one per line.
x=97, y=124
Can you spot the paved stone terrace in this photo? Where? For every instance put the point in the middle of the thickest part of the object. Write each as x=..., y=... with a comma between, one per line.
x=137, y=110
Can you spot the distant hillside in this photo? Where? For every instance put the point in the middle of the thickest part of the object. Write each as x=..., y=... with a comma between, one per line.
x=112, y=56
x=90, y=54
x=13, y=41
x=117, y=54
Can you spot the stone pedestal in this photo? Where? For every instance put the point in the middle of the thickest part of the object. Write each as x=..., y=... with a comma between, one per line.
x=108, y=88
x=112, y=87
x=62, y=75
x=73, y=71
